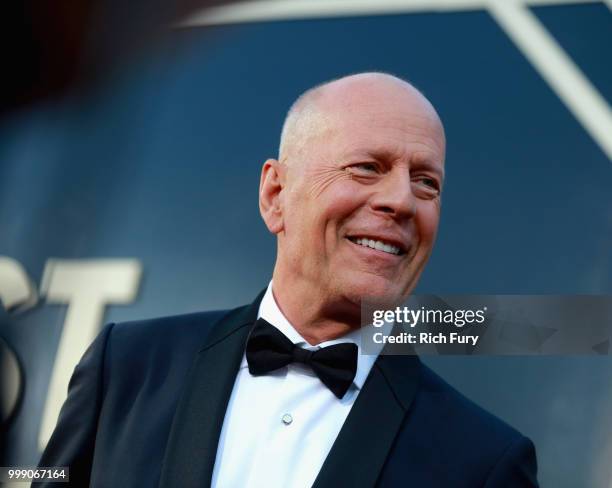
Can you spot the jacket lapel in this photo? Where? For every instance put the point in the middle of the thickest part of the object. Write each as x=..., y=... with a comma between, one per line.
x=366, y=438
x=194, y=435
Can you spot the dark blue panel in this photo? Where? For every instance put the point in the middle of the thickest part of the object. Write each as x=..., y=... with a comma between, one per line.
x=585, y=33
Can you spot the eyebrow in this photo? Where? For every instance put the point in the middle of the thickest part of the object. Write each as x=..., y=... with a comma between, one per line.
x=417, y=160
x=426, y=163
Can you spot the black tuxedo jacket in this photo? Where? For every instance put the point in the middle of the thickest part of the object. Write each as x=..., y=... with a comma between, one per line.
x=147, y=401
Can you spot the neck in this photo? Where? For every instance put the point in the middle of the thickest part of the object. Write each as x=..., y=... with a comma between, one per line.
x=314, y=317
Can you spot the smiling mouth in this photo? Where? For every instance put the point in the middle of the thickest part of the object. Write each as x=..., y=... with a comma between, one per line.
x=377, y=245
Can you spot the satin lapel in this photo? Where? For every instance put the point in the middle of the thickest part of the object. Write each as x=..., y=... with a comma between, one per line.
x=365, y=440
x=194, y=435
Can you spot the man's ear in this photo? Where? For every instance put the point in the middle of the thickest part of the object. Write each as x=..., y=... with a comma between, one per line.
x=270, y=187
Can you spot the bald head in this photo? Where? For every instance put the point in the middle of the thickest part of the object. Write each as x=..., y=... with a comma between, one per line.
x=315, y=111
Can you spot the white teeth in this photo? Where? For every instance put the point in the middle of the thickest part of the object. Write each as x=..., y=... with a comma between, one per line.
x=379, y=245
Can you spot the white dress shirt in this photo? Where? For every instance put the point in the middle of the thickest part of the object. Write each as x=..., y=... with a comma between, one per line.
x=279, y=428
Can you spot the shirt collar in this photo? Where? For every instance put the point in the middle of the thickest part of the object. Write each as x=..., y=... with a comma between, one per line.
x=270, y=311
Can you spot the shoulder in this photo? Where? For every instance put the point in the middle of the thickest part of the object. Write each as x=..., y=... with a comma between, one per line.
x=455, y=439
x=466, y=437
x=458, y=419
x=167, y=329
x=458, y=413
x=159, y=346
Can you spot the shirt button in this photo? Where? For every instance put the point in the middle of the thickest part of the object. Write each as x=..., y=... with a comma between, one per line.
x=287, y=419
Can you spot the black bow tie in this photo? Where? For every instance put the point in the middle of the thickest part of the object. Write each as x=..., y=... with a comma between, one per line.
x=268, y=349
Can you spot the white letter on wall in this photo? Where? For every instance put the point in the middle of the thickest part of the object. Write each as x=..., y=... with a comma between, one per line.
x=16, y=289
x=86, y=286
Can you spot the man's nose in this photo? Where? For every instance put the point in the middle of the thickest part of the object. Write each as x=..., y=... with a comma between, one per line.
x=395, y=196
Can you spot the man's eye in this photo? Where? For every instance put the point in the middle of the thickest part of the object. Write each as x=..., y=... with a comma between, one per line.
x=431, y=182
x=428, y=187
x=368, y=167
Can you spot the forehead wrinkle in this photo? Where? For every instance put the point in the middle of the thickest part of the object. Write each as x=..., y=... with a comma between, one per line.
x=422, y=160
x=403, y=131
x=395, y=150
x=416, y=124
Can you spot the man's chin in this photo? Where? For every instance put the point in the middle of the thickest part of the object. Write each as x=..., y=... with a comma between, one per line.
x=376, y=292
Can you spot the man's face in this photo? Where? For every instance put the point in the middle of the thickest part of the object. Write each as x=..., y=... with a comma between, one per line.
x=361, y=205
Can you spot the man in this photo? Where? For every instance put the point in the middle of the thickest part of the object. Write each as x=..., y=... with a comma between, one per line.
x=274, y=393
